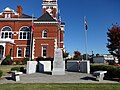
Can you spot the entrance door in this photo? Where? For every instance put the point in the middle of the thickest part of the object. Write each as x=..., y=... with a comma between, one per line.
x=1, y=51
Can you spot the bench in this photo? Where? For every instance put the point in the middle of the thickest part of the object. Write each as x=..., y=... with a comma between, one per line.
x=99, y=75
x=16, y=75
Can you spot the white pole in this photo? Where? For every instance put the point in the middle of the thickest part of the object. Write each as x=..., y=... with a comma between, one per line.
x=31, y=41
x=59, y=38
x=85, y=37
x=59, y=28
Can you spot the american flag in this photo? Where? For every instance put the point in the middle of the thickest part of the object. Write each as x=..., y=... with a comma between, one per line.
x=59, y=20
x=32, y=25
x=85, y=24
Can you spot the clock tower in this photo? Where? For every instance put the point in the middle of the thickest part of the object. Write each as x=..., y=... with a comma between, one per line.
x=51, y=7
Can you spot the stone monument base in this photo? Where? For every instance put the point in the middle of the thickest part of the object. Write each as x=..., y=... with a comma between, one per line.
x=58, y=72
x=58, y=63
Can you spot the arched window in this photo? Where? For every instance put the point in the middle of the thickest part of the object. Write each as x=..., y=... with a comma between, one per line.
x=44, y=34
x=6, y=32
x=24, y=33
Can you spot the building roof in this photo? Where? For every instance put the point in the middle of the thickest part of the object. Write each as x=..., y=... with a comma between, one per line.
x=25, y=16
x=46, y=17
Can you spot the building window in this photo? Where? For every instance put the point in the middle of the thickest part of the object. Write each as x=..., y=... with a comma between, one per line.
x=1, y=51
x=44, y=51
x=6, y=32
x=24, y=33
x=27, y=52
x=44, y=34
x=19, y=52
x=7, y=15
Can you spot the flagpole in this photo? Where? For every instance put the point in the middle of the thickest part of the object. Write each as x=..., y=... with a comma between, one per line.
x=85, y=31
x=59, y=28
x=59, y=38
x=31, y=40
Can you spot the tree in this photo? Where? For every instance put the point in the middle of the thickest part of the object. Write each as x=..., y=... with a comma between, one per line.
x=65, y=54
x=84, y=57
x=7, y=60
x=97, y=55
x=113, y=44
x=77, y=55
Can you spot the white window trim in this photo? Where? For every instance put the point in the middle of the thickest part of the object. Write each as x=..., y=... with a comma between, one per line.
x=22, y=33
x=43, y=34
x=7, y=15
x=23, y=45
x=25, y=52
x=17, y=53
x=42, y=52
x=6, y=31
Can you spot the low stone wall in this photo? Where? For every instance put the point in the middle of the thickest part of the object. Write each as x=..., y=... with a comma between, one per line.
x=73, y=65
x=44, y=66
x=31, y=67
x=78, y=66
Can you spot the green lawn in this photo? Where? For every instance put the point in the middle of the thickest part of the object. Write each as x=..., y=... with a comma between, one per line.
x=7, y=68
x=60, y=86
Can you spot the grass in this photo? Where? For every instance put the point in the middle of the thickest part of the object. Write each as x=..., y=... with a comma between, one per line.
x=7, y=68
x=60, y=86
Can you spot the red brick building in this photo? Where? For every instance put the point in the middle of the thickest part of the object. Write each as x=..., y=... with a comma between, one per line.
x=15, y=32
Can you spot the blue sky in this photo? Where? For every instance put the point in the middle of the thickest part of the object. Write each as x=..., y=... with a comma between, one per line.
x=100, y=15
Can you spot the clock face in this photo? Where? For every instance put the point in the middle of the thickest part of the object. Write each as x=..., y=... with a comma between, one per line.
x=49, y=10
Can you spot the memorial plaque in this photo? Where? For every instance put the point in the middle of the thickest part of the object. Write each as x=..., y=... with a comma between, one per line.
x=85, y=66
x=31, y=67
x=58, y=63
x=44, y=66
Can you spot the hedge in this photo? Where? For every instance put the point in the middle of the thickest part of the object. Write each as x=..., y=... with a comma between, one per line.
x=17, y=62
x=1, y=73
x=19, y=69
x=112, y=71
x=15, y=69
x=24, y=61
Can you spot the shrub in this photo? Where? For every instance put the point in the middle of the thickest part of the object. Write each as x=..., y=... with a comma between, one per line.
x=19, y=69
x=112, y=71
x=7, y=60
x=24, y=61
x=15, y=69
x=17, y=62
x=43, y=59
x=39, y=59
x=22, y=69
x=1, y=73
x=49, y=58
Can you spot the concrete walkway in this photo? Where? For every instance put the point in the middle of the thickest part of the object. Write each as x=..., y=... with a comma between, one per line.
x=69, y=77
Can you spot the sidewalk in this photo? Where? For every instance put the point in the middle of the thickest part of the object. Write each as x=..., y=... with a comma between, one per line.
x=69, y=77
